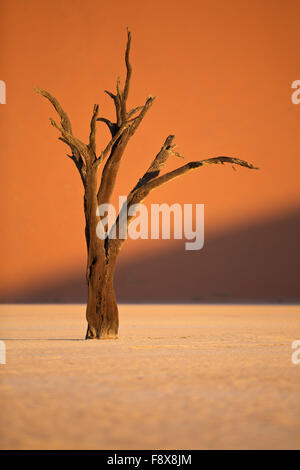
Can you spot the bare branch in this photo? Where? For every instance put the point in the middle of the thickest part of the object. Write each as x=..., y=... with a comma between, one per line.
x=133, y=111
x=79, y=164
x=116, y=100
x=77, y=147
x=111, y=168
x=154, y=183
x=128, y=77
x=128, y=66
x=120, y=98
x=64, y=119
x=111, y=126
x=120, y=138
x=92, y=140
x=76, y=157
x=72, y=141
x=112, y=165
x=118, y=89
x=141, y=191
x=150, y=100
x=111, y=143
x=158, y=162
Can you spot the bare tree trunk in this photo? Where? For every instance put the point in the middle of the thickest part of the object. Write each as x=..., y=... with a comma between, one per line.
x=102, y=310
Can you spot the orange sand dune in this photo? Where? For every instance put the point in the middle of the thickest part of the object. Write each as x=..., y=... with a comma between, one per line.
x=222, y=72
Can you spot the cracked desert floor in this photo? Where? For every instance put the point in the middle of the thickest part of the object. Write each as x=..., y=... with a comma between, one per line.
x=179, y=377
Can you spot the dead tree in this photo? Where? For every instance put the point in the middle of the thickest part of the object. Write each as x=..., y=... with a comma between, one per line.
x=102, y=310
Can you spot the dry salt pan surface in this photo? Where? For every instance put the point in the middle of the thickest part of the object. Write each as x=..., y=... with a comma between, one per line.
x=179, y=377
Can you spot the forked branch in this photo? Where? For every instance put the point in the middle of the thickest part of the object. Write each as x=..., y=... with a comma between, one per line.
x=79, y=149
x=194, y=165
x=139, y=193
x=126, y=125
x=127, y=122
x=152, y=180
x=159, y=162
x=64, y=119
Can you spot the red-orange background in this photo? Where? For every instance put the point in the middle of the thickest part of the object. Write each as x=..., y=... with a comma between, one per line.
x=222, y=72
